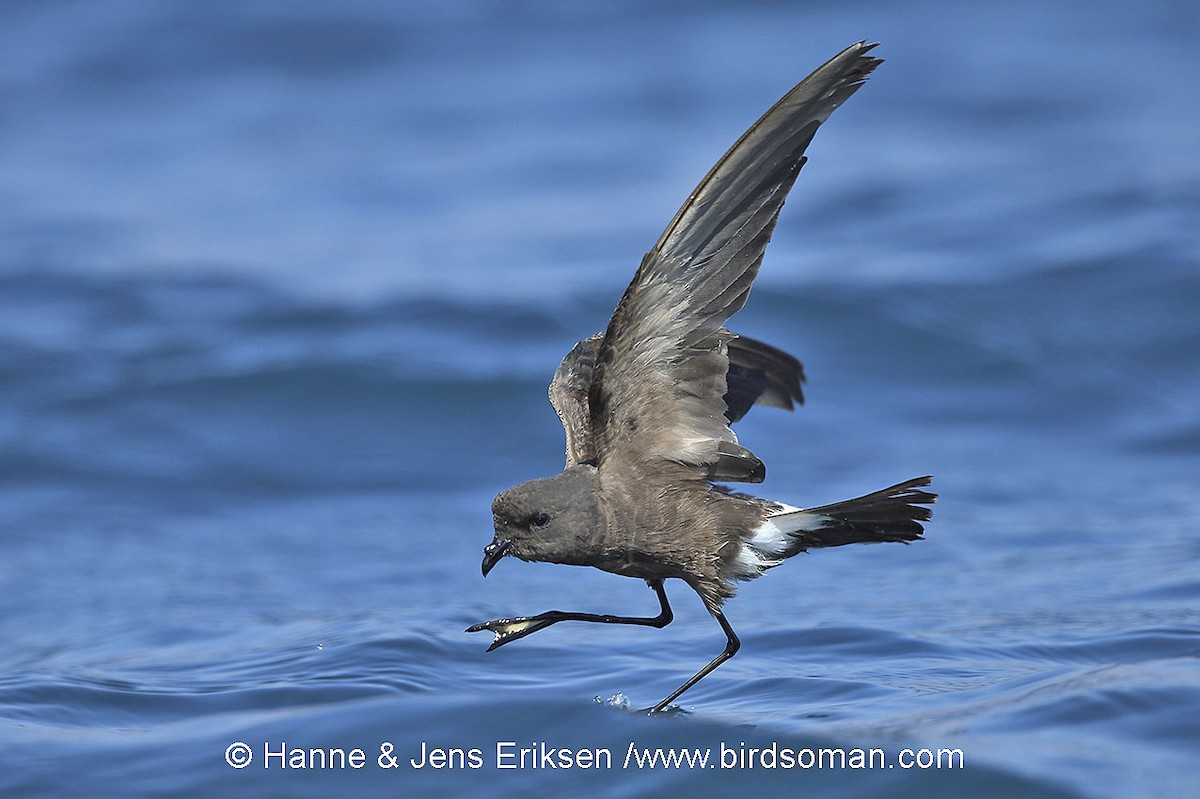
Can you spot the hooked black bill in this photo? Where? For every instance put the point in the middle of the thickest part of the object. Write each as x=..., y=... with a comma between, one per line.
x=493, y=552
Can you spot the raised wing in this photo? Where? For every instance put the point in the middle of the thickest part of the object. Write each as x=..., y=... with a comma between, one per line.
x=759, y=374
x=569, y=395
x=657, y=395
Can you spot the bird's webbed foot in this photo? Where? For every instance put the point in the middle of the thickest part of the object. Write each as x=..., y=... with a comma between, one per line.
x=509, y=630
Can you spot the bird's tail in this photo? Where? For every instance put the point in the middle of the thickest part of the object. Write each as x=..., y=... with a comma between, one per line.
x=891, y=514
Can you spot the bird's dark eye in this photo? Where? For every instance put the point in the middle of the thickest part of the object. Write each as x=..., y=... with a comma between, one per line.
x=539, y=519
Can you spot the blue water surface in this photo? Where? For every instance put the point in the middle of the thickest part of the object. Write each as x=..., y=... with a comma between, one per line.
x=281, y=289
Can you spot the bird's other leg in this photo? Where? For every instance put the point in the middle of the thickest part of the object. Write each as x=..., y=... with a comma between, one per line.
x=508, y=630
x=732, y=644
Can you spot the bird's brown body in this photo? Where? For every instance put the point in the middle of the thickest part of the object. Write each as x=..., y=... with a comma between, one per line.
x=687, y=530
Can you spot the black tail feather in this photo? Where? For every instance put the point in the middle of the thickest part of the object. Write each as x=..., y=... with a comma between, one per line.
x=891, y=514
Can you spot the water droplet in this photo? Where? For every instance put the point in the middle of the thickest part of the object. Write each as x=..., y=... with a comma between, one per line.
x=617, y=700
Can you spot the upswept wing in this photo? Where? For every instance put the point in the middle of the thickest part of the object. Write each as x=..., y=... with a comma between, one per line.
x=569, y=395
x=657, y=394
x=760, y=374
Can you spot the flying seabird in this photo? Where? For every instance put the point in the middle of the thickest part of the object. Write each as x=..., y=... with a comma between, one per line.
x=647, y=405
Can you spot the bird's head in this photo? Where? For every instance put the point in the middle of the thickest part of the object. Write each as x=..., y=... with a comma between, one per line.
x=554, y=519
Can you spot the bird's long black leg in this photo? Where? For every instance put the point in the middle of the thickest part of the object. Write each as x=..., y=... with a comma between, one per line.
x=731, y=647
x=508, y=630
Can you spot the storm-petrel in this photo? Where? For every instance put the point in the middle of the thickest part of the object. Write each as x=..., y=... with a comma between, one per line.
x=647, y=405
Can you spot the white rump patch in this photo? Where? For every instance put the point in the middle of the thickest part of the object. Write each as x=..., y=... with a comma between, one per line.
x=768, y=545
